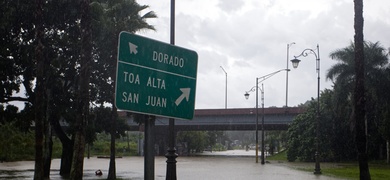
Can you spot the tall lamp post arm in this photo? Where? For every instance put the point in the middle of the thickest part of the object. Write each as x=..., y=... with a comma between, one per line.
x=263, y=78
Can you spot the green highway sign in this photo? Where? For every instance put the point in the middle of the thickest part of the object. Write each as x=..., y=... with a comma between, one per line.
x=155, y=78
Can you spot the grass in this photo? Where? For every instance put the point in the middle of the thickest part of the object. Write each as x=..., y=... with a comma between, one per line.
x=281, y=156
x=350, y=170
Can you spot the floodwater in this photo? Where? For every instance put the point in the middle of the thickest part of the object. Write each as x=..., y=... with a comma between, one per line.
x=229, y=165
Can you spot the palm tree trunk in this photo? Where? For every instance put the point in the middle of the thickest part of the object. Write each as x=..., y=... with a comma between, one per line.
x=359, y=95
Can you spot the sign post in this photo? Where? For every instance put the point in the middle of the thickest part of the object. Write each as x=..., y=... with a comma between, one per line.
x=155, y=78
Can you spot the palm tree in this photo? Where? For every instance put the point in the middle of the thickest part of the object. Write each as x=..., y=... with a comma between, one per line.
x=118, y=15
x=345, y=77
x=343, y=73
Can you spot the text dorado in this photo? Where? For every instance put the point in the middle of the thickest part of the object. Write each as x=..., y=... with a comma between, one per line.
x=167, y=59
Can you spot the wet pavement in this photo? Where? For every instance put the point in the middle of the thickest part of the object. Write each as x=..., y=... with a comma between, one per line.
x=227, y=165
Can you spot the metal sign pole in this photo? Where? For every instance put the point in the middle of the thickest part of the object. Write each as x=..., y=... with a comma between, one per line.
x=171, y=155
x=149, y=148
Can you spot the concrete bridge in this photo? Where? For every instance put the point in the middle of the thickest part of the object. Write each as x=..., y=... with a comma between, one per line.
x=241, y=119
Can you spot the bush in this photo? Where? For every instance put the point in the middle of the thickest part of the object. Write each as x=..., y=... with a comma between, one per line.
x=19, y=146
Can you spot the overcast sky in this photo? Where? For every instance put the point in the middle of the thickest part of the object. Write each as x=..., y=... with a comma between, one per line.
x=249, y=38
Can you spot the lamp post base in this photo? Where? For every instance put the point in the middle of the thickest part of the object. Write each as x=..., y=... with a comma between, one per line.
x=317, y=169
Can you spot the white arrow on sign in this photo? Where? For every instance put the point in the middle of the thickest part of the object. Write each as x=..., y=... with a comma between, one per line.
x=133, y=48
x=185, y=94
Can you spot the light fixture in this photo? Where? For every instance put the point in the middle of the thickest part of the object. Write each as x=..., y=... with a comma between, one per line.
x=246, y=95
x=295, y=62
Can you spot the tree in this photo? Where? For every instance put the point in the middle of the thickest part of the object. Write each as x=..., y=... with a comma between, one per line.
x=383, y=98
x=40, y=89
x=359, y=95
x=17, y=50
x=301, y=133
x=83, y=94
x=114, y=17
x=19, y=63
x=61, y=34
x=196, y=140
x=343, y=75
x=343, y=72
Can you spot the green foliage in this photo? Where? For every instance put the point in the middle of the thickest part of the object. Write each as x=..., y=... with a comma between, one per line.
x=335, y=138
x=57, y=148
x=377, y=78
x=124, y=146
x=15, y=145
x=100, y=121
x=276, y=141
x=219, y=147
x=301, y=136
x=245, y=137
x=64, y=52
x=10, y=114
x=196, y=140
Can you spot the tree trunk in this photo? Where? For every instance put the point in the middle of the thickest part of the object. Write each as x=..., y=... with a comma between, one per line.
x=39, y=98
x=48, y=137
x=76, y=172
x=67, y=144
x=112, y=167
x=47, y=155
x=66, y=158
x=388, y=152
x=359, y=95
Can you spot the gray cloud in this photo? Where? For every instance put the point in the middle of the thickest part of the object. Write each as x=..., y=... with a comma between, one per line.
x=249, y=39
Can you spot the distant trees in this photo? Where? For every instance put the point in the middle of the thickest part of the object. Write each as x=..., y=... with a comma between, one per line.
x=198, y=141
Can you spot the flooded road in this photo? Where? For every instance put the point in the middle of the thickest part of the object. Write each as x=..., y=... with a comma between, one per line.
x=206, y=167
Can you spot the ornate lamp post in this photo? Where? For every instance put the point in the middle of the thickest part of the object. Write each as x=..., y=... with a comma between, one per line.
x=295, y=63
x=257, y=120
x=256, y=88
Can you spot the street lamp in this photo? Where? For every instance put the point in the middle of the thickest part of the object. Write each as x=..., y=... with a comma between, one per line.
x=257, y=120
x=256, y=88
x=295, y=63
